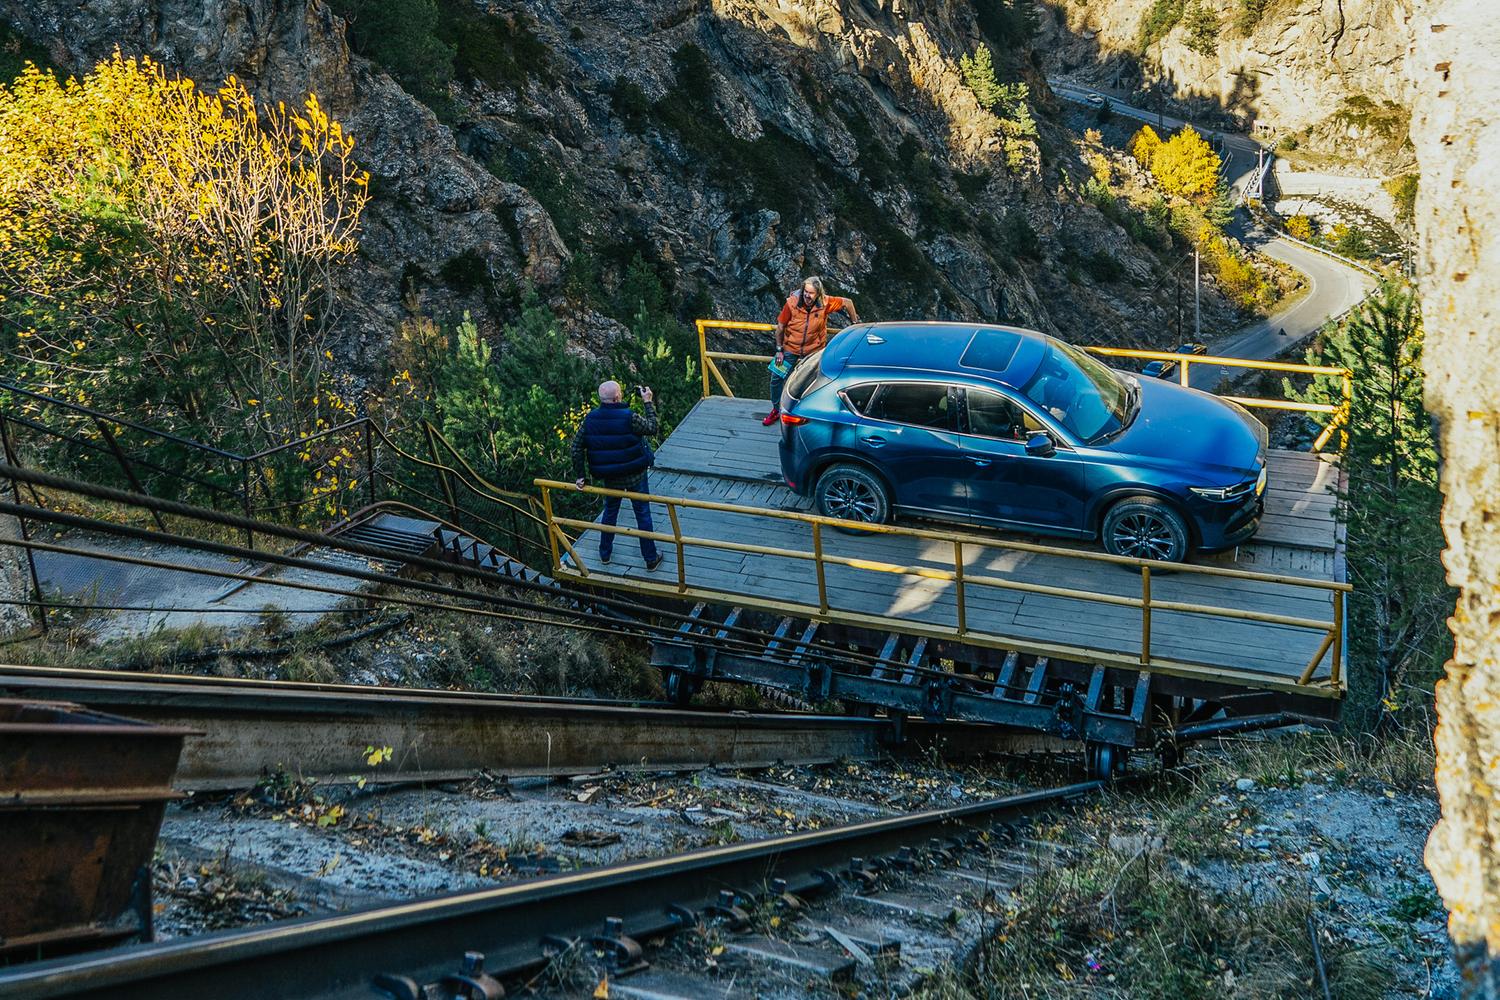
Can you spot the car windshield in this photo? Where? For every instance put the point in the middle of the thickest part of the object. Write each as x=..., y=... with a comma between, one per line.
x=1080, y=392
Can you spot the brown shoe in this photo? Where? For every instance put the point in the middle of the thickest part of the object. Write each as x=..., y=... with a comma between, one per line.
x=771, y=417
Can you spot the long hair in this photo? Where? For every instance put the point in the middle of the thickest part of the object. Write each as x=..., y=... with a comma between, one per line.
x=817, y=284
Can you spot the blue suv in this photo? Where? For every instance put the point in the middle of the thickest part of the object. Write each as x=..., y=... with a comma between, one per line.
x=1012, y=428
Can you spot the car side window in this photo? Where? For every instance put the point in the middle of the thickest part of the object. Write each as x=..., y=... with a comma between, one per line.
x=859, y=396
x=990, y=414
x=921, y=403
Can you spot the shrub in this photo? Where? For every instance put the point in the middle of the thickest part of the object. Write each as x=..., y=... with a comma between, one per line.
x=1103, y=267
x=1020, y=239
x=1300, y=227
x=1143, y=145
x=1159, y=22
x=631, y=105
x=172, y=253
x=1403, y=191
x=402, y=36
x=497, y=49
x=1186, y=165
x=1250, y=14
x=1203, y=29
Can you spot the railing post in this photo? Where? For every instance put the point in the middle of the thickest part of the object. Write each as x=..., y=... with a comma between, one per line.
x=1145, y=615
x=245, y=501
x=1182, y=372
x=1338, y=637
x=369, y=462
x=818, y=562
x=551, y=528
x=443, y=474
x=125, y=467
x=958, y=586
x=703, y=355
x=1348, y=381
x=677, y=542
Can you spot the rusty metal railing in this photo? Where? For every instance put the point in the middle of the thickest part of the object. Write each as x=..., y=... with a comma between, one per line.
x=964, y=581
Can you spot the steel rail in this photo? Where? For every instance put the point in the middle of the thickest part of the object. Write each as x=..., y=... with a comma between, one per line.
x=323, y=731
x=332, y=958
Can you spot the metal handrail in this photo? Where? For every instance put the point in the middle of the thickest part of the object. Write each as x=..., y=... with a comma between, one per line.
x=707, y=363
x=8, y=386
x=958, y=575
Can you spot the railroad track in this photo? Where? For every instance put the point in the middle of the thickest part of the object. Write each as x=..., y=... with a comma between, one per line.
x=323, y=731
x=815, y=909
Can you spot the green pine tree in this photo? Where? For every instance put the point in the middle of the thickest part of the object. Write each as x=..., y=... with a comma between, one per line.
x=1398, y=612
x=979, y=74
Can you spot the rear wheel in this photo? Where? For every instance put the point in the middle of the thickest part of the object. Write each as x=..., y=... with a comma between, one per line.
x=1144, y=528
x=852, y=493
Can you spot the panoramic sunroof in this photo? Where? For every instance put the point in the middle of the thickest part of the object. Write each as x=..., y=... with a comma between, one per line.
x=991, y=350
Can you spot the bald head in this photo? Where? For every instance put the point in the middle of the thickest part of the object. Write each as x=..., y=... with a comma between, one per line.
x=609, y=392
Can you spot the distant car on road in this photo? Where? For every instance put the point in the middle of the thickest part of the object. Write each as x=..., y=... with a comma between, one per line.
x=1165, y=369
x=1007, y=427
x=1096, y=99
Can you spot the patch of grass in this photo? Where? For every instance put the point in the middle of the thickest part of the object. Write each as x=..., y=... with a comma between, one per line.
x=1131, y=924
x=1384, y=118
x=1403, y=758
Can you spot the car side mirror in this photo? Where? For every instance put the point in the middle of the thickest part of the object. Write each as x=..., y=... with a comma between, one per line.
x=1040, y=444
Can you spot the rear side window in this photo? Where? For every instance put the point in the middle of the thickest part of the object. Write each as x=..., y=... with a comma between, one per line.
x=807, y=376
x=859, y=397
x=919, y=403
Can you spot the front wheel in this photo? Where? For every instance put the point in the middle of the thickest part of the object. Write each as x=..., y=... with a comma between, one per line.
x=1144, y=528
x=852, y=493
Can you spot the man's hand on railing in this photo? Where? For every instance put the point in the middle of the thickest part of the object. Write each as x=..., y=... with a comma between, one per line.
x=578, y=484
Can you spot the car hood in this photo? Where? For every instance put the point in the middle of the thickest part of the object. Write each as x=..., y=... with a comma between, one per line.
x=1189, y=427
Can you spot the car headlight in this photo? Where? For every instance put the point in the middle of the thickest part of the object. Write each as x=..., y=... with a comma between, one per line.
x=1222, y=492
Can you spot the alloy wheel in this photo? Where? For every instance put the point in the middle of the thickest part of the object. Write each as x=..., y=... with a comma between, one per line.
x=1143, y=536
x=850, y=499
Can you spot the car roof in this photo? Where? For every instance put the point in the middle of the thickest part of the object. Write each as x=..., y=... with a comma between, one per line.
x=1008, y=355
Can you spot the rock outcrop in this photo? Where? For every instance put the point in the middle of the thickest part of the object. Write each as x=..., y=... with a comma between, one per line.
x=1328, y=73
x=834, y=136
x=1456, y=132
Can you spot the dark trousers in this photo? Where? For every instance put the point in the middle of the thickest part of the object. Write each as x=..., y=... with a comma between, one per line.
x=642, y=520
x=778, y=382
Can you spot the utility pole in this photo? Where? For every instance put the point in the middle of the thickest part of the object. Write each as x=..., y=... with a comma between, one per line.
x=1178, y=283
x=1197, y=301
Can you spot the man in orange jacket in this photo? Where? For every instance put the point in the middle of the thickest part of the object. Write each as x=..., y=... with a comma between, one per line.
x=802, y=329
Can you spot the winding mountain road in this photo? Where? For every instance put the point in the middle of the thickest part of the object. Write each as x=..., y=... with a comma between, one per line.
x=1333, y=287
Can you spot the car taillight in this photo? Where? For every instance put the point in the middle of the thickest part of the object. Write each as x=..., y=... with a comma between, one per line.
x=792, y=420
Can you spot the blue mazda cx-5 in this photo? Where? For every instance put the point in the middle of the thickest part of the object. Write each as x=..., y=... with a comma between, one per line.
x=1011, y=428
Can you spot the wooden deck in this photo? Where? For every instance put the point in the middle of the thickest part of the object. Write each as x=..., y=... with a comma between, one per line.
x=721, y=453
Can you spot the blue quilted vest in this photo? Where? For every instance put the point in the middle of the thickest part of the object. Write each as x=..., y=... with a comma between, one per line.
x=614, y=450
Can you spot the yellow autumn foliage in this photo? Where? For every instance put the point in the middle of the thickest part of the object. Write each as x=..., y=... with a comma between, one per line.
x=164, y=245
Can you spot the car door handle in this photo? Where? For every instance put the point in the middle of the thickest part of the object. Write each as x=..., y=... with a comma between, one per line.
x=981, y=462
x=874, y=441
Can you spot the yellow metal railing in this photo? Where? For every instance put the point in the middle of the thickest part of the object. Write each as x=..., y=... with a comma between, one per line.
x=1339, y=412
x=964, y=583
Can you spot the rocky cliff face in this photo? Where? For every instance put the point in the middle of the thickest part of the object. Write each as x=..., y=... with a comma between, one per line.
x=1327, y=73
x=1456, y=131
x=732, y=145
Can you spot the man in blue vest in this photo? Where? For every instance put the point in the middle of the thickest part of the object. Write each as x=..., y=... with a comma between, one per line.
x=612, y=439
